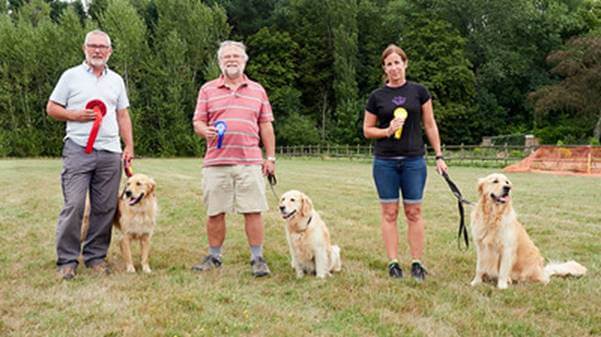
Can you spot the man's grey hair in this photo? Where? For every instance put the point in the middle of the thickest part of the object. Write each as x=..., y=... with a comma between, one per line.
x=230, y=43
x=97, y=32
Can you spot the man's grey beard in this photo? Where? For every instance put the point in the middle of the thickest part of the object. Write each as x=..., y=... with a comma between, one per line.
x=97, y=62
x=230, y=73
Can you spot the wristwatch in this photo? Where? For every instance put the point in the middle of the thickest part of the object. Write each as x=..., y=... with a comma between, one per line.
x=271, y=159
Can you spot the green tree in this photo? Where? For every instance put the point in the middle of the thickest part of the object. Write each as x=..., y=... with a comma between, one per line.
x=184, y=39
x=247, y=17
x=96, y=8
x=574, y=100
x=200, y=27
x=309, y=24
x=437, y=59
x=506, y=41
x=39, y=51
x=128, y=38
x=347, y=116
x=169, y=97
x=272, y=63
x=373, y=35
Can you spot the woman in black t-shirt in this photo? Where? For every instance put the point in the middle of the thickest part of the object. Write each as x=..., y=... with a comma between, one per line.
x=394, y=116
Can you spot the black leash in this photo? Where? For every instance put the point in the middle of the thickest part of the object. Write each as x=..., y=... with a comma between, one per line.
x=460, y=201
x=272, y=182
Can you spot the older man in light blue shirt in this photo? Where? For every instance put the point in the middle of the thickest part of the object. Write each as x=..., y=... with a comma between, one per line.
x=99, y=171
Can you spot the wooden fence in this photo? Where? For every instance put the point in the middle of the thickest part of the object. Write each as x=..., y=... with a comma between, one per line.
x=472, y=155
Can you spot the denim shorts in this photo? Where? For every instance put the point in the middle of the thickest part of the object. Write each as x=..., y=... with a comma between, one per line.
x=407, y=174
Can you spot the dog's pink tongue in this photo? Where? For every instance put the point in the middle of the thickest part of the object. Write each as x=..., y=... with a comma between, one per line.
x=505, y=198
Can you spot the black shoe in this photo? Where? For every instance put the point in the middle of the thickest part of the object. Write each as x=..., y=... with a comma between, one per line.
x=394, y=270
x=418, y=271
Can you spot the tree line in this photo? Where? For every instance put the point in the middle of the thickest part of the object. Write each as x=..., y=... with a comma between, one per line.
x=492, y=67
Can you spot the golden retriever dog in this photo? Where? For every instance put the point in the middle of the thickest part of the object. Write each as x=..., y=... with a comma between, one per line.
x=308, y=237
x=504, y=251
x=135, y=217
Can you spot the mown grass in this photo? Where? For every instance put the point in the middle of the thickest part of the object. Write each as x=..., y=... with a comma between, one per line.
x=562, y=215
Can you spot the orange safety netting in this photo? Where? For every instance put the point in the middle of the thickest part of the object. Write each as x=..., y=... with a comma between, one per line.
x=561, y=160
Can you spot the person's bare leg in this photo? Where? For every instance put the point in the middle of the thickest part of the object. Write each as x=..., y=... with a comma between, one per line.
x=216, y=230
x=388, y=225
x=415, y=230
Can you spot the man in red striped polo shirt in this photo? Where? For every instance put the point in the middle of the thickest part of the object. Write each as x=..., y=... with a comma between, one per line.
x=234, y=116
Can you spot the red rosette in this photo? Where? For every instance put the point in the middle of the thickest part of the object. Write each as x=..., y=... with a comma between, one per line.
x=99, y=109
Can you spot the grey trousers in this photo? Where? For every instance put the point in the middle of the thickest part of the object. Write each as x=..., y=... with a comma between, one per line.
x=100, y=173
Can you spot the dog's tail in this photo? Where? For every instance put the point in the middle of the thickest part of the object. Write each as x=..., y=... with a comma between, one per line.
x=570, y=268
x=336, y=262
x=85, y=223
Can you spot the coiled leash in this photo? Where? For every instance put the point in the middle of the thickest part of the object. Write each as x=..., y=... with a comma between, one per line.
x=460, y=201
x=127, y=168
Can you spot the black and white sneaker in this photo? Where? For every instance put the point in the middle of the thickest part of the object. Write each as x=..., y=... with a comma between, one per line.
x=394, y=270
x=208, y=262
x=259, y=267
x=418, y=271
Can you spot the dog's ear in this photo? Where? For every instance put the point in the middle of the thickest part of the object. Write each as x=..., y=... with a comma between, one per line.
x=481, y=182
x=151, y=185
x=306, y=205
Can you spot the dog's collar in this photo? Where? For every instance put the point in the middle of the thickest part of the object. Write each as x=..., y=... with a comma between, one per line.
x=307, y=225
x=308, y=222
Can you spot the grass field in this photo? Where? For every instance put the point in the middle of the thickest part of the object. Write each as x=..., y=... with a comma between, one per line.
x=561, y=214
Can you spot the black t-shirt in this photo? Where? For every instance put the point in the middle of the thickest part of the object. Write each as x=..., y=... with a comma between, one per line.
x=382, y=102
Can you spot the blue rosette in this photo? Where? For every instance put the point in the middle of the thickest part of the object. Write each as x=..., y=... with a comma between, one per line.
x=221, y=127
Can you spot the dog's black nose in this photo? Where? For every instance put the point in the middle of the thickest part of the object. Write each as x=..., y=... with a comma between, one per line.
x=506, y=189
x=282, y=208
x=128, y=194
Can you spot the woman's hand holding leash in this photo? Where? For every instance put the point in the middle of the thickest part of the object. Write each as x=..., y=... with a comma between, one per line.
x=441, y=166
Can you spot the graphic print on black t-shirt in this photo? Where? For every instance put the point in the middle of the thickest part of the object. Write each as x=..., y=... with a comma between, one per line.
x=383, y=102
x=399, y=100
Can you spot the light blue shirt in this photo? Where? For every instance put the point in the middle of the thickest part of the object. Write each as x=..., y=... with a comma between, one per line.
x=79, y=85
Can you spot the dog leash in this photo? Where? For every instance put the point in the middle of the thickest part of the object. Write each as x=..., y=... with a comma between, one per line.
x=272, y=182
x=127, y=167
x=460, y=201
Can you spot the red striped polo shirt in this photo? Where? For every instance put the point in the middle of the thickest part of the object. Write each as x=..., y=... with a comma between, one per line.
x=242, y=110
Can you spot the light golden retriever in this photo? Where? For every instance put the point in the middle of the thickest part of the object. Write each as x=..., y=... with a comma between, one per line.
x=135, y=217
x=308, y=237
x=504, y=251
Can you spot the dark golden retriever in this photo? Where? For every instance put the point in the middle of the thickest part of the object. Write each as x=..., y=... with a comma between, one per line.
x=135, y=217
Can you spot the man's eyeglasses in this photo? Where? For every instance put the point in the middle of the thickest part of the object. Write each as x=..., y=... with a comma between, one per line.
x=102, y=47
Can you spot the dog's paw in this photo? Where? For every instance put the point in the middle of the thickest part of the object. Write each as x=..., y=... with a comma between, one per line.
x=502, y=284
x=300, y=273
x=476, y=281
x=131, y=269
x=146, y=269
x=323, y=275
